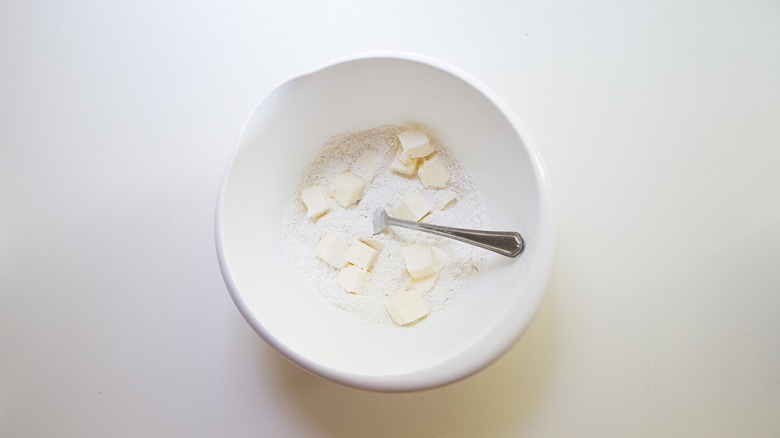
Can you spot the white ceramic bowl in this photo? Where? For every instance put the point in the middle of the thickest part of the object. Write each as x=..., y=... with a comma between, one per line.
x=283, y=134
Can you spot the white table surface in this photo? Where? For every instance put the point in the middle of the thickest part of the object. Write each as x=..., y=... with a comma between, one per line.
x=659, y=123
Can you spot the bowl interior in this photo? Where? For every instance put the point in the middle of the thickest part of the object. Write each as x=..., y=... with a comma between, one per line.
x=284, y=134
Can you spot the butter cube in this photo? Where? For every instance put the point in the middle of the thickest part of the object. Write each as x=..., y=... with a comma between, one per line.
x=415, y=143
x=331, y=249
x=315, y=200
x=419, y=259
x=361, y=255
x=353, y=278
x=404, y=164
x=448, y=198
x=433, y=173
x=346, y=189
x=413, y=206
x=407, y=307
x=424, y=284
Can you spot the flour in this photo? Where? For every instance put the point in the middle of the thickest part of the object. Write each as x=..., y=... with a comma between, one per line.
x=368, y=154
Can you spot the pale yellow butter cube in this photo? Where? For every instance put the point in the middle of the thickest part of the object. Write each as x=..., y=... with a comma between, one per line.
x=407, y=307
x=315, y=200
x=353, y=278
x=448, y=198
x=361, y=255
x=424, y=284
x=346, y=189
x=413, y=206
x=404, y=164
x=415, y=143
x=433, y=173
x=331, y=249
x=420, y=260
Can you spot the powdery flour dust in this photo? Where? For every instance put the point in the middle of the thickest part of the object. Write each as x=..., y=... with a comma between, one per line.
x=368, y=154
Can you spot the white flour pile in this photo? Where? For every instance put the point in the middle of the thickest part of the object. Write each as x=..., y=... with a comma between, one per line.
x=368, y=154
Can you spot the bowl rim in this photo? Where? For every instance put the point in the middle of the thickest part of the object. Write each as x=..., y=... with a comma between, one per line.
x=400, y=382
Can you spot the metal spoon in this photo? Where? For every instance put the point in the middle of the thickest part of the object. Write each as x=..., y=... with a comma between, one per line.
x=507, y=243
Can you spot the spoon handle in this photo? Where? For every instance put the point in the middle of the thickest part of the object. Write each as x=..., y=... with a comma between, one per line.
x=507, y=243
